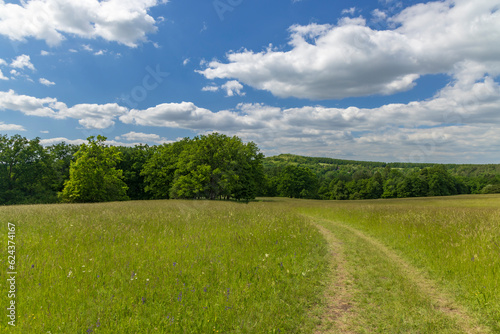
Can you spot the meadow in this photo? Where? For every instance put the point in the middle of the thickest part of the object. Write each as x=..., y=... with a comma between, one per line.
x=162, y=266
x=453, y=242
x=422, y=265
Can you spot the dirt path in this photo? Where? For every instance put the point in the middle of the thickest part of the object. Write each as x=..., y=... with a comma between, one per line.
x=340, y=311
x=337, y=317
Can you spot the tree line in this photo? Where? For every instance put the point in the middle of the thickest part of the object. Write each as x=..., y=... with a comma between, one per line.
x=325, y=178
x=213, y=167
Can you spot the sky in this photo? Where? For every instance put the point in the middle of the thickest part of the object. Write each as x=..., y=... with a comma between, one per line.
x=386, y=80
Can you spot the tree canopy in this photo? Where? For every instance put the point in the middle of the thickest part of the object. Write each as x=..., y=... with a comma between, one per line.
x=93, y=176
x=211, y=167
x=214, y=166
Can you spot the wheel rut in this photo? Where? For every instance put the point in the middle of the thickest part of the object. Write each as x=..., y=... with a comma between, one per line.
x=338, y=296
x=341, y=310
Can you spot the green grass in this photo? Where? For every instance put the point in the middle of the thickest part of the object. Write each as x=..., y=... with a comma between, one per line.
x=163, y=266
x=455, y=240
x=225, y=267
x=384, y=297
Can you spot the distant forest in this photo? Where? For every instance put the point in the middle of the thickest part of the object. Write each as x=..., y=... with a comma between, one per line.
x=214, y=167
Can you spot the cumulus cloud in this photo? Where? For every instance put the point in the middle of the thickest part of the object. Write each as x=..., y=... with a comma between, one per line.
x=11, y=127
x=143, y=138
x=53, y=141
x=90, y=116
x=46, y=82
x=351, y=59
x=125, y=22
x=233, y=88
x=22, y=61
x=459, y=118
x=210, y=88
x=184, y=115
x=349, y=11
x=458, y=124
x=2, y=77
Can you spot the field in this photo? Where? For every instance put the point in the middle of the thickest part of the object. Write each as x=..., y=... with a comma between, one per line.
x=417, y=265
x=273, y=266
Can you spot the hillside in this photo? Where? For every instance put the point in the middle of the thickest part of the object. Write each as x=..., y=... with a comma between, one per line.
x=396, y=179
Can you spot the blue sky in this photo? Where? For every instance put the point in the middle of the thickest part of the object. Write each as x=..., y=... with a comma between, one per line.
x=383, y=80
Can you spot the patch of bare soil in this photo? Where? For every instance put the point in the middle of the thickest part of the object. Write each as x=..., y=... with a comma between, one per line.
x=339, y=308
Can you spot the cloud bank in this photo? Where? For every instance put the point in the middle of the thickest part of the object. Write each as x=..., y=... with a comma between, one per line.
x=124, y=22
x=351, y=59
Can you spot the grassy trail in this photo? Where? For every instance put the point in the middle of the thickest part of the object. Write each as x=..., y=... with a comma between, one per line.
x=373, y=289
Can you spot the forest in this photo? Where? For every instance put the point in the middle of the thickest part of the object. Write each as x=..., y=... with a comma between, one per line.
x=214, y=167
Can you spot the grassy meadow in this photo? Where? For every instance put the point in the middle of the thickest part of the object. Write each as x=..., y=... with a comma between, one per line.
x=163, y=266
x=397, y=266
x=455, y=241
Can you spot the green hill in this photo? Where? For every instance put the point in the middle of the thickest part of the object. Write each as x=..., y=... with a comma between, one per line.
x=397, y=179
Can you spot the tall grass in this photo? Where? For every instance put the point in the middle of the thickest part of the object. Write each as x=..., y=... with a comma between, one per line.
x=456, y=240
x=162, y=266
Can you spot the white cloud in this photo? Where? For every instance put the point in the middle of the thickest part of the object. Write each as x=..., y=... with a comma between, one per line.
x=53, y=141
x=44, y=131
x=22, y=61
x=46, y=82
x=349, y=11
x=3, y=62
x=45, y=53
x=143, y=138
x=456, y=125
x=90, y=116
x=210, y=88
x=125, y=22
x=186, y=61
x=11, y=127
x=100, y=53
x=72, y=50
x=379, y=15
x=233, y=88
x=351, y=59
x=2, y=77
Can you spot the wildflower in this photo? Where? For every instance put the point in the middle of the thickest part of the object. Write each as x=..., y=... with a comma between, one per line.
x=70, y=273
x=32, y=266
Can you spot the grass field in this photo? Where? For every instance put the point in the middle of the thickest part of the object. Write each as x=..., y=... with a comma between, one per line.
x=279, y=266
x=452, y=242
x=162, y=266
